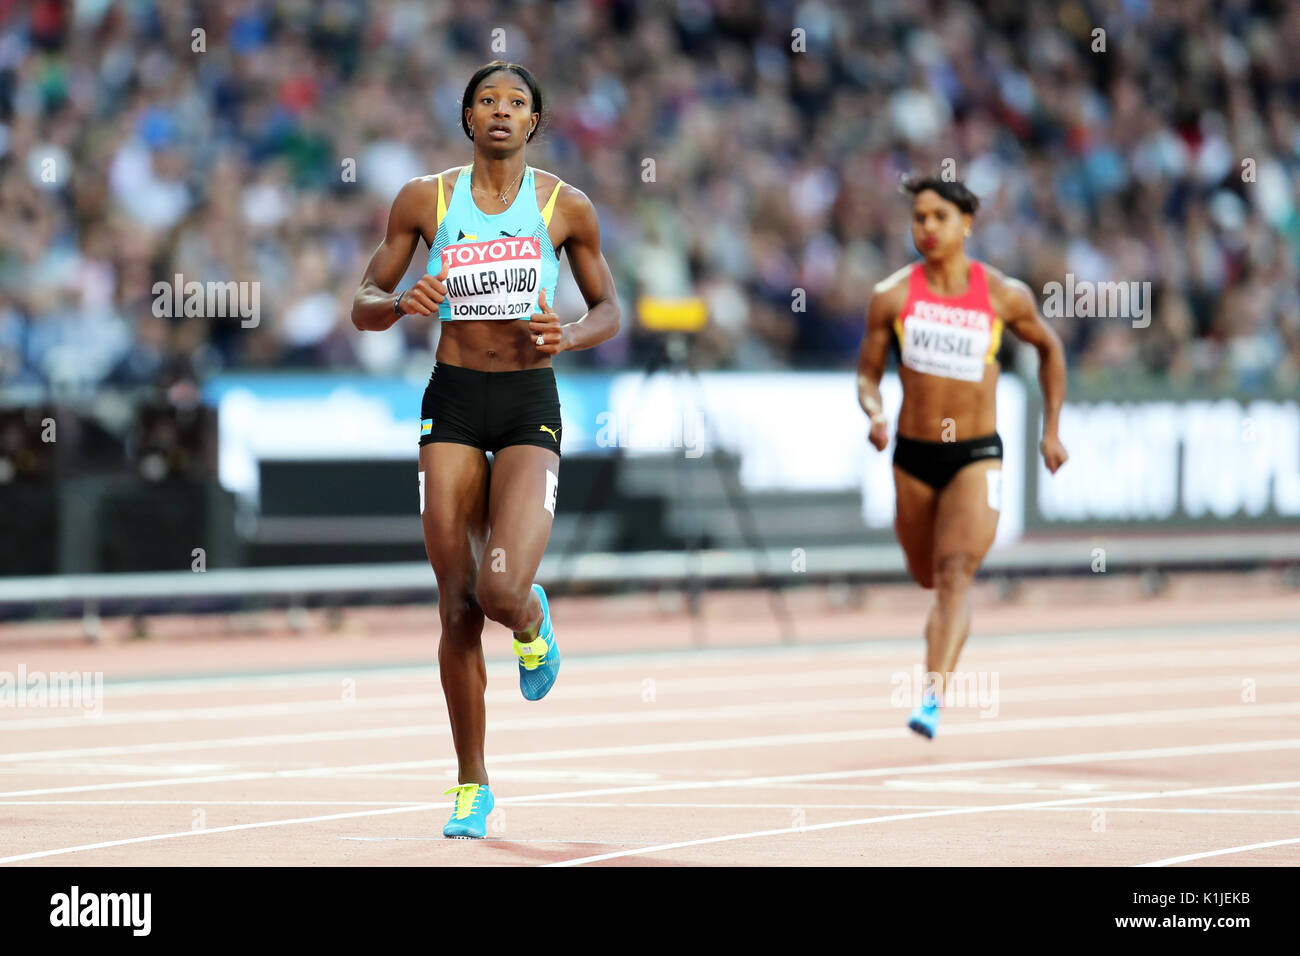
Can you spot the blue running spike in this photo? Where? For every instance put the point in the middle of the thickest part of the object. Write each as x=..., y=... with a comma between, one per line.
x=925, y=718
x=468, y=820
x=539, y=660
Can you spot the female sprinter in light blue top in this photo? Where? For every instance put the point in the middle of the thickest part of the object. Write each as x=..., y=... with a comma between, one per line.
x=494, y=229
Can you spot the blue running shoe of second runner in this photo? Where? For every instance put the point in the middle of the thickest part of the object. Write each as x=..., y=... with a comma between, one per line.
x=925, y=718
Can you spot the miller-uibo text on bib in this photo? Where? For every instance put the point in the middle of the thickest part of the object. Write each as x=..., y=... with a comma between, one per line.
x=493, y=278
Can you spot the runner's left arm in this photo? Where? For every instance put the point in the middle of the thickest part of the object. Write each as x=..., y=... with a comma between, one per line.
x=1019, y=310
x=595, y=282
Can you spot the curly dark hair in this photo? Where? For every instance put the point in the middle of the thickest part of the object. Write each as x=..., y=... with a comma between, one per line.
x=953, y=190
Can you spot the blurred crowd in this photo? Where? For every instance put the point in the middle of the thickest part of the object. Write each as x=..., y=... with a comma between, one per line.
x=748, y=151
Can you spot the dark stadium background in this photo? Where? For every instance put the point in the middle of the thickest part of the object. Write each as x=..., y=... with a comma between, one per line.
x=747, y=153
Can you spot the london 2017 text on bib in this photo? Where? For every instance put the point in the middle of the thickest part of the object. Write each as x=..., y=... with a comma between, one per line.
x=494, y=278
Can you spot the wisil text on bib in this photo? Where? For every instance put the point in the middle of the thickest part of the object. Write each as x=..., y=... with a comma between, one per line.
x=946, y=340
x=493, y=278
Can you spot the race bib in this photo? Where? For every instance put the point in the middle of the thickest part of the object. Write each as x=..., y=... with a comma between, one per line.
x=946, y=340
x=552, y=486
x=995, y=488
x=494, y=278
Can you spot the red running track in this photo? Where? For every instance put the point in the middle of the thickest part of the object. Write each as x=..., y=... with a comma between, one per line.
x=1125, y=732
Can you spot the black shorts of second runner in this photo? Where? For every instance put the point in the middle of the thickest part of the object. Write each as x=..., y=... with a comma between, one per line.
x=935, y=462
x=491, y=410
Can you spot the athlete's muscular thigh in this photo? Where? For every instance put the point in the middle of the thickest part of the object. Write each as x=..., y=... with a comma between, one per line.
x=454, y=514
x=525, y=481
x=966, y=518
x=914, y=524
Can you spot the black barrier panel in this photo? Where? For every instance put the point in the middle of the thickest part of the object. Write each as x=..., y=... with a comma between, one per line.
x=29, y=528
x=105, y=523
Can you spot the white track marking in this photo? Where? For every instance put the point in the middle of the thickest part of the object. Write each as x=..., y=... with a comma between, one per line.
x=1197, y=811
x=1124, y=658
x=803, y=804
x=1240, y=710
x=164, y=782
x=181, y=834
x=894, y=786
x=1052, y=760
x=224, y=743
x=695, y=658
x=1000, y=725
x=1229, y=684
x=217, y=803
x=646, y=715
x=892, y=818
x=229, y=712
x=491, y=841
x=1232, y=849
x=288, y=680
x=700, y=658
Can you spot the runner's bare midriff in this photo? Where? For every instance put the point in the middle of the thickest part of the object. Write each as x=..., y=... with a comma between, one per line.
x=490, y=346
x=931, y=402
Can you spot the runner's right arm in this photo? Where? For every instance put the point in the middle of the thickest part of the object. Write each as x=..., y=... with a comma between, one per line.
x=372, y=305
x=882, y=308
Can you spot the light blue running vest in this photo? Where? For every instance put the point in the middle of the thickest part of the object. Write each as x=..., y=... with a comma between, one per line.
x=496, y=264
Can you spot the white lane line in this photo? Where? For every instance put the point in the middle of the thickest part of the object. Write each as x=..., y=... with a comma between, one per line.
x=732, y=743
x=1228, y=684
x=489, y=841
x=883, y=806
x=224, y=743
x=163, y=782
x=803, y=805
x=894, y=786
x=214, y=803
x=693, y=714
x=230, y=712
x=181, y=834
x=1050, y=760
x=645, y=715
x=1232, y=849
x=286, y=680
x=1125, y=656
x=893, y=818
x=648, y=716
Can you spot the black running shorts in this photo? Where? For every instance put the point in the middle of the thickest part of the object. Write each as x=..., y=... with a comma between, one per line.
x=491, y=410
x=935, y=462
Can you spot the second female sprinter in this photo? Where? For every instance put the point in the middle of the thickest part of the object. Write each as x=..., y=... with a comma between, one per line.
x=944, y=315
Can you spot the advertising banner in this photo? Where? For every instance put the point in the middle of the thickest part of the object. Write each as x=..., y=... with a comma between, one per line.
x=1192, y=463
